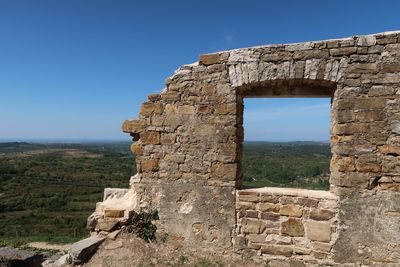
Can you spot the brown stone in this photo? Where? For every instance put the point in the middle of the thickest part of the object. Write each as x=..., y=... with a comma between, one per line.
x=277, y=250
x=369, y=115
x=242, y=205
x=292, y=227
x=209, y=59
x=326, y=247
x=225, y=171
x=106, y=225
x=177, y=158
x=149, y=165
x=167, y=138
x=208, y=89
x=112, y=213
x=251, y=214
x=186, y=110
x=269, y=198
x=256, y=238
x=368, y=167
x=268, y=207
x=133, y=126
x=136, y=149
x=205, y=109
x=224, y=109
x=307, y=202
x=391, y=150
x=150, y=138
x=270, y=216
x=364, y=67
x=345, y=51
x=154, y=97
x=291, y=210
x=391, y=68
x=318, y=231
x=252, y=226
x=343, y=164
x=321, y=214
x=170, y=96
x=149, y=108
x=249, y=198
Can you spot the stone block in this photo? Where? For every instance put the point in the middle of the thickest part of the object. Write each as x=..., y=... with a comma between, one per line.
x=249, y=198
x=321, y=214
x=209, y=59
x=177, y=158
x=83, y=250
x=307, y=202
x=168, y=138
x=256, y=238
x=149, y=165
x=114, y=213
x=170, y=96
x=243, y=205
x=107, y=225
x=269, y=198
x=277, y=250
x=251, y=214
x=225, y=171
x=291, y=210
x=364, y=68
x=292, y=227
x=224, y=109
x=133, y=126
x=389, y=150
x=154, y=97
x=270, y=216
x=186, y=110
x=318, y=231
x=268, y=207
x=253, y=226
x=345, y=51
x=319, y=246
x=391, y=67
x=152, y=138
x=137, y=149
x=366, y=40
x=149, y=108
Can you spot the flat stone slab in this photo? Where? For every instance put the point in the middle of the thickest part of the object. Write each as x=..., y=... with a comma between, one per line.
x=19, y=257
x=83, y=250
x=293, y=192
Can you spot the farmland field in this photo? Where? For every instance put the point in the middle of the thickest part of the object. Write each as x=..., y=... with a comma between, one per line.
x=48, y=190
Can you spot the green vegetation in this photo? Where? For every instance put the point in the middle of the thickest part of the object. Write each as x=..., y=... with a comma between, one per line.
x=296, y=164
x=142, y=225
x=48, y=191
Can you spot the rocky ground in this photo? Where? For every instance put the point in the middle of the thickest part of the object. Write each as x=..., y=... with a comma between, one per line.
x=128, y=250
x=123, y=250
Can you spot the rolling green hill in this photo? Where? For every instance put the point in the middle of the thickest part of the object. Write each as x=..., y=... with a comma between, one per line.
x=48, y=190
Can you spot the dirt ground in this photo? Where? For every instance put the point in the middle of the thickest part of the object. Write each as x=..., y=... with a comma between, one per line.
x=129, y=251
x=47, y=246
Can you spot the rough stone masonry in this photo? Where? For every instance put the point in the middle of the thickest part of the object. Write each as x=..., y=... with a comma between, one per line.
x=188, y=146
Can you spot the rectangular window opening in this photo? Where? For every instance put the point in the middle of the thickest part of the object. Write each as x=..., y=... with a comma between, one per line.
x=286, y=143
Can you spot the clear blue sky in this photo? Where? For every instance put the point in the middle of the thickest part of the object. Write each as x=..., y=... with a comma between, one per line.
x=77, y=69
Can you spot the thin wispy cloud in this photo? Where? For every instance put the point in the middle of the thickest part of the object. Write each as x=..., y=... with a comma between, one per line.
x=228, y=38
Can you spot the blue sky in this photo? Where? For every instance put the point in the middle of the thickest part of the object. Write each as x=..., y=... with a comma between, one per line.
x=76, y=69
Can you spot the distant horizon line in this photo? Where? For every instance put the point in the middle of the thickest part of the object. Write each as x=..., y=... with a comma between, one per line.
x=117, y=140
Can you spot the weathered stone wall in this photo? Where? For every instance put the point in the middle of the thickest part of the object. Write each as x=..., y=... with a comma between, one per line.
x=188, y=140
x=286, y=226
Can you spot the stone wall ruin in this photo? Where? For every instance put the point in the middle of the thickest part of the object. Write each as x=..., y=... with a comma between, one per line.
x=188, y=147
